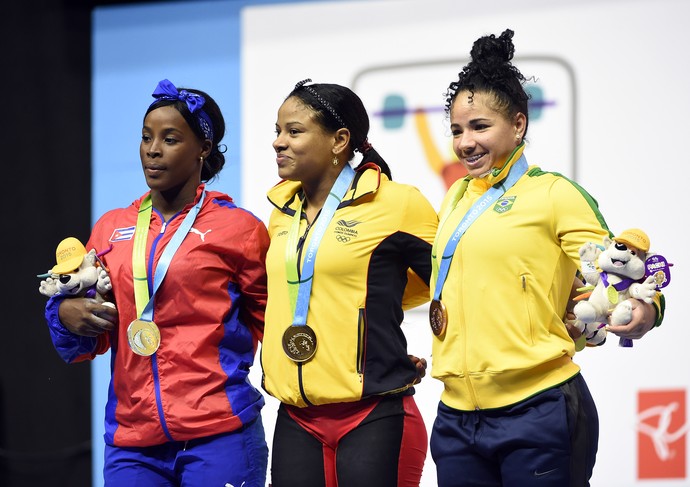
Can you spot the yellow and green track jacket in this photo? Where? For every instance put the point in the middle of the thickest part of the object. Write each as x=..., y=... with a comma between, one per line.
x=374, y=261
x=508, y=286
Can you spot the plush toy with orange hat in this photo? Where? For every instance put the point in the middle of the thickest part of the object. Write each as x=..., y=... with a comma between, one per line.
x=76, y=273
x=620, y=269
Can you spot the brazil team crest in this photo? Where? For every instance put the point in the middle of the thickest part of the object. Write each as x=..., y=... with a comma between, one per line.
x=504, y=204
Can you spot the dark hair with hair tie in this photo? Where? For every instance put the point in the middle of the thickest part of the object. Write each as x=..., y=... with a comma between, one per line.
x=490, y=71
x=215, y=161
x=319, y=98
x=337, y=107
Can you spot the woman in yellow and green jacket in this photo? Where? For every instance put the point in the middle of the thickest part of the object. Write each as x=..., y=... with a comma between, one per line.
x=515, y=410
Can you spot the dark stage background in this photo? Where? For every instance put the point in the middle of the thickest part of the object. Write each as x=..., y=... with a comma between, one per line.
x=46, y=144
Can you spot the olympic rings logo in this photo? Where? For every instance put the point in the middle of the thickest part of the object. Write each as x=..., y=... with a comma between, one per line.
x=342, y=238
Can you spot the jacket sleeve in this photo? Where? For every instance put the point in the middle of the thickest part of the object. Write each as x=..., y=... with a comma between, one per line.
x=577, y=218
x=252, y=281
x=70, y=347
x=420, y=222
x=660, y=306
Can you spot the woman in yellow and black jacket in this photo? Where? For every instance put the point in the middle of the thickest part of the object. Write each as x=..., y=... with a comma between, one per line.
x=345, y=380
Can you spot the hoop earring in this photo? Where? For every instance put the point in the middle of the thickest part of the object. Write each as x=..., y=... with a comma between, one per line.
x=335, y=160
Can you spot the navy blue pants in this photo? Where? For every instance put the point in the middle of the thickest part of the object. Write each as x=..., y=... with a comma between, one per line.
x=235, y=459
x=548, y=440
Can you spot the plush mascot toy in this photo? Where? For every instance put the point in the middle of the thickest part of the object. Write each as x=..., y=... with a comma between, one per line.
x=621, y=269
x=77, y=273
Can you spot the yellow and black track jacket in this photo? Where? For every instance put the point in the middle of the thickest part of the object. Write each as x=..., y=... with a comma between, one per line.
x=374, y=261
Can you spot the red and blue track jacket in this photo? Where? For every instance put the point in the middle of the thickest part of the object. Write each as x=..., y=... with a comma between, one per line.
x=210, y=312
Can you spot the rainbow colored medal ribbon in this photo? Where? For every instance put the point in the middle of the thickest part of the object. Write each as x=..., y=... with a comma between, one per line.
x=143, y=334
x=299, y=339
x=438, y=315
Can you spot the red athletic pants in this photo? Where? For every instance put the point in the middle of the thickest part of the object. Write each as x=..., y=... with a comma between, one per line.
x=371, y=443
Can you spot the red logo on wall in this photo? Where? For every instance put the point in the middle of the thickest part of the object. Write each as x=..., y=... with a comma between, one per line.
x=662, y=434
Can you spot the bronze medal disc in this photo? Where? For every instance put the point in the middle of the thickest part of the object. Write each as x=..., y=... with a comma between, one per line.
x=144, y=337
x=299, y=343
x=438, y=317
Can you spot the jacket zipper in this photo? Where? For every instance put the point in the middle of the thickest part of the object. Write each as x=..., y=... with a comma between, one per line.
x=154, y=358
x=361, y=348
x=465, y=370
x=300, y=248
x=302, y=392
x=470, y=388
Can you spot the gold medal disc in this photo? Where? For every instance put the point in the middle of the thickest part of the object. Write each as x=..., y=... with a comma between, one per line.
x=299, y=343
x=144, y=337
x=438, y=317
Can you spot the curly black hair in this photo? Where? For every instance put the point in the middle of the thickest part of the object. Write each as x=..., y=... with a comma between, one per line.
x=490, y=71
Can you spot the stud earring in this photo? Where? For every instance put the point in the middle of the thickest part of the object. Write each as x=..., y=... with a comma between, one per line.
x=335, y=160
x=201, y=159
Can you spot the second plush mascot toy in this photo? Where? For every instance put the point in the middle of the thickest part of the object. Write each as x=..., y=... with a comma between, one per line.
x=613, y=273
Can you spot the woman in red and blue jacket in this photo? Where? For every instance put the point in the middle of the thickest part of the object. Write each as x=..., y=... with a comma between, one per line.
x=180, y=410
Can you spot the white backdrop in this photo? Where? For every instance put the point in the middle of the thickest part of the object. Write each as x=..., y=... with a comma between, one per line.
x=615, y=116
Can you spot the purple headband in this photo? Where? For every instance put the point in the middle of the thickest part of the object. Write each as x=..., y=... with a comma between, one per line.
x=167, y=91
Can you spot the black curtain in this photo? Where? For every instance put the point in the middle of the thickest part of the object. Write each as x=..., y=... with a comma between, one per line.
x=45, y=418
x=45, y=101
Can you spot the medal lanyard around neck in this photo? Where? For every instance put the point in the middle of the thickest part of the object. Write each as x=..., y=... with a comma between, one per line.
x=299, y=286
x=144, y=304
x=440, y=271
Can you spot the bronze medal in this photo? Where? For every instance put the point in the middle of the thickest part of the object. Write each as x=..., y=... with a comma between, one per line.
x=438, y=317
x=299, y=343
x=144, y=337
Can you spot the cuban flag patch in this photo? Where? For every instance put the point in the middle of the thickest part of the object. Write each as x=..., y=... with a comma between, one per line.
x=120, y=234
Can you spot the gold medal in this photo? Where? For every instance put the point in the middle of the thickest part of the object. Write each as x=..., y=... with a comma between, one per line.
x=299, y=343
x=144, y=337
x=438, y=317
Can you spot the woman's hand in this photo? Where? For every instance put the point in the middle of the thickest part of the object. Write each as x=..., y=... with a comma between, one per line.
x=643, y=319
x=420, y=364
x=569, y=319
x=573, y=330
x=86, y=316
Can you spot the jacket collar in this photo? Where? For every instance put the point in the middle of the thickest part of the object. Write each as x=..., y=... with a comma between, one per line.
x=285, y=194
x=497, y=174
x=199, y=190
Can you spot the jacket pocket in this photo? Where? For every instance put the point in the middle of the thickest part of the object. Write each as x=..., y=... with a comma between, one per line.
x=361, y=341
x=528, y=303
